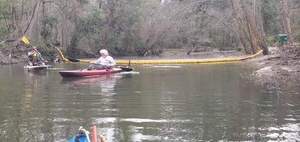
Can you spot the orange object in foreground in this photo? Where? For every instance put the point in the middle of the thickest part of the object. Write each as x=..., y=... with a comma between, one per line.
x=94, y=133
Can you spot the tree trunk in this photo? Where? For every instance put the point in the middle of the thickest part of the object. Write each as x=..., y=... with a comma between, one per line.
x=247, y=27
x=32, y=18
x=285, y=19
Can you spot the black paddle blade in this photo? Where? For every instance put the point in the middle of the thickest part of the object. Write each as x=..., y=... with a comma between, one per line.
x=73, y=60
x=126, y=68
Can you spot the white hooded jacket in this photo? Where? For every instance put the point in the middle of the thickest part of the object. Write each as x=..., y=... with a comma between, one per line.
x=106, y=61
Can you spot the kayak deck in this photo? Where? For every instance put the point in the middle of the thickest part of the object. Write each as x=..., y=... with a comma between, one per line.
x=88, y=73
x=42, y=67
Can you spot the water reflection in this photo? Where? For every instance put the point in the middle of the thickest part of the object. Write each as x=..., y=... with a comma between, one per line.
x=104, y=85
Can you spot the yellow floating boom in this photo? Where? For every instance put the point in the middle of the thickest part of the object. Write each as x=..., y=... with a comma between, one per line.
x=61, y=55
x=189, y=61
x=170, y=61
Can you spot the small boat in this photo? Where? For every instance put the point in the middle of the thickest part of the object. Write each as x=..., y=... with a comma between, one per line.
x=92, y=73
x=36, y=68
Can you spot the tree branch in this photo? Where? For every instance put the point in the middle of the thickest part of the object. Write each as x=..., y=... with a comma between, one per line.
x=36, y=6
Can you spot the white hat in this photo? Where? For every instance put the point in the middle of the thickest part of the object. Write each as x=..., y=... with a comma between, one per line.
x=104, y=52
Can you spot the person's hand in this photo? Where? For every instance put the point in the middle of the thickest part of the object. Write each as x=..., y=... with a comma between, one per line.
x=102, y=138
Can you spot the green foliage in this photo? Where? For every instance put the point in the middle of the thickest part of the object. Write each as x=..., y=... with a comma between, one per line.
x=3, y=31
x=4, y=6
x=83, y=1
x=120, y=33
x=3, y=15
x=112, y=27
x=89, y=24
x=49, y=24
x=89, y=27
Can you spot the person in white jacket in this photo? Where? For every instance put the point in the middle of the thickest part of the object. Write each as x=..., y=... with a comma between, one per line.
x=104, y=62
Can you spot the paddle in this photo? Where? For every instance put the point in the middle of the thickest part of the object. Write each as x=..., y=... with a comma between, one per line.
x=73, y=59
x=123, y=68
x=126, y=68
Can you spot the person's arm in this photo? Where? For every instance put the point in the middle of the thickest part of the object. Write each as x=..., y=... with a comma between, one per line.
x=98, y=61
x=112, y=62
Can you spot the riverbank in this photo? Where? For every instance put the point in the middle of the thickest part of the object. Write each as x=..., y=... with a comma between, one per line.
x=12, y=55
x=280, y=68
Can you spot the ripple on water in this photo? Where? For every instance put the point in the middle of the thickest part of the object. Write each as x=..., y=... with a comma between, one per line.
x=140, y=120
x=105, y=120
x=287, y=132
x=139, y=137
x=141, y=129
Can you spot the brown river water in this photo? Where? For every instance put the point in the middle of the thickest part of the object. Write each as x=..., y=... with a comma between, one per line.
x=169, y=103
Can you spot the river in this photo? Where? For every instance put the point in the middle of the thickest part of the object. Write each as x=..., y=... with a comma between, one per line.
x=170, y=103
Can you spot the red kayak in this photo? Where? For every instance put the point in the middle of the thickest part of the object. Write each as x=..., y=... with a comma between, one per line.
x=92, y=73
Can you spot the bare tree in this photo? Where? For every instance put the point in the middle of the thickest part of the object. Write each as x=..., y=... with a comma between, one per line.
x=285, y=19
x=248, y=30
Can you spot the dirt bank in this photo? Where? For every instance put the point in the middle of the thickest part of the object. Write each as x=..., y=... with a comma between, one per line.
x=279, y=68
x=12, y=55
